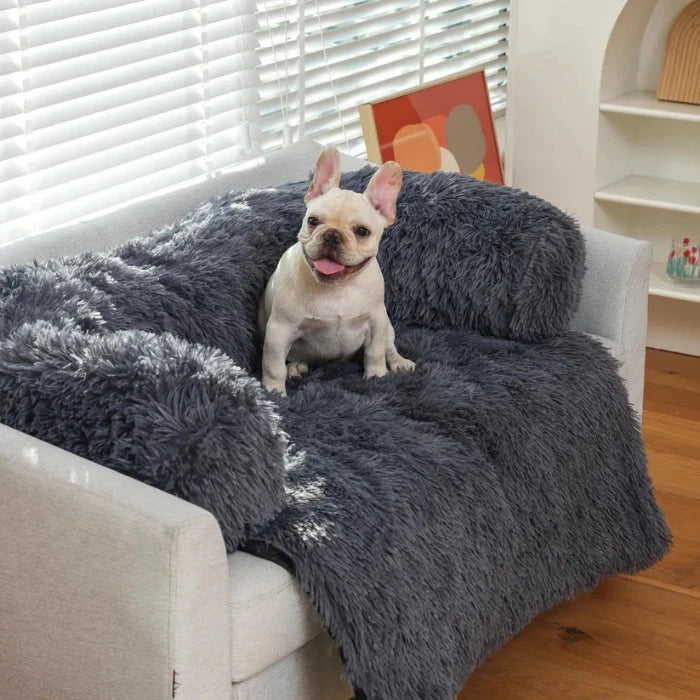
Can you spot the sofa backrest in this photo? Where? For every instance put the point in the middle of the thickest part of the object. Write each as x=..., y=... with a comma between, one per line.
x=104, y=232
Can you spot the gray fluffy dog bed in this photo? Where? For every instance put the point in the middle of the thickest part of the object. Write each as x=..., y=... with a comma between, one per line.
x=429, y=516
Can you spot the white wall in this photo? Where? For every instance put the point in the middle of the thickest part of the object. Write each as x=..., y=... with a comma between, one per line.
x=556, y=54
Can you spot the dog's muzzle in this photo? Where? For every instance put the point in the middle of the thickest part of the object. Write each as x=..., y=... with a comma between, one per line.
x=327, y=268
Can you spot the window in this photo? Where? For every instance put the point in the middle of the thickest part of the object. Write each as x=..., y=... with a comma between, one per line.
x=105, y=102
x=321, y=58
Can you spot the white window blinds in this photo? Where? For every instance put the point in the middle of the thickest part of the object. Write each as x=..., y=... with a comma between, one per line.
x=320, y=59
x=104, y=102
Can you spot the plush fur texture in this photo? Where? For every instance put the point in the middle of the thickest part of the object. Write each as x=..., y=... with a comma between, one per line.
x=428, y=515
x=470, y=254
x=432, y=515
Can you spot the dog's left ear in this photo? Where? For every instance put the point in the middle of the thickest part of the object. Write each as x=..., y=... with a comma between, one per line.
x=383, y=189
x=326, y=175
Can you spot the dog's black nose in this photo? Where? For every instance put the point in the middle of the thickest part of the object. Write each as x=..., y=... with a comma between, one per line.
x=331, y=237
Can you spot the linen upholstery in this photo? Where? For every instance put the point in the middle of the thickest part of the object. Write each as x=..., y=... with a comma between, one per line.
x=108, y=588
x=270, y=615
x=614, y=302
x=312, y=672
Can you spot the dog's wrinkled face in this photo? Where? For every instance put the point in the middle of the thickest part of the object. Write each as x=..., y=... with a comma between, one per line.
x=341, y=229
x=340, y=233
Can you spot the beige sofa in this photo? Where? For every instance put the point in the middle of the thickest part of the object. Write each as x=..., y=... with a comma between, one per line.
x=112, y=589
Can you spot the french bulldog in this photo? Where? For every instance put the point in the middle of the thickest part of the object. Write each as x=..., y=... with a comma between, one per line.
x=325, y=300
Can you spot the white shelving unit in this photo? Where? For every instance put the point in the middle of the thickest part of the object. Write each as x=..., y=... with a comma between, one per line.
x=643, y=103
x=655, y=192
x=661, y=285
x=648, y=165
x=586, y=132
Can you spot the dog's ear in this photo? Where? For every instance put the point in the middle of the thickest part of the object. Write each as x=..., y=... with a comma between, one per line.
x=326, y=175
x=383, y=189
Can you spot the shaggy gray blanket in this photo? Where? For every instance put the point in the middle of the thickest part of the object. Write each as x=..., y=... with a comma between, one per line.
x=429, y=516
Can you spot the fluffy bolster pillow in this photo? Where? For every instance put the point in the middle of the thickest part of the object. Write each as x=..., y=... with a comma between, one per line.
x=178, y=416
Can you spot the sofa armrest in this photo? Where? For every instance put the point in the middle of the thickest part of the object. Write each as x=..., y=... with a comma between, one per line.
x=614, y=302
x=109, y=588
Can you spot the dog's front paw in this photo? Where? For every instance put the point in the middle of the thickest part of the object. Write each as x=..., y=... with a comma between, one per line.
x=276, y=386
x=377, y=371
x=401, y=364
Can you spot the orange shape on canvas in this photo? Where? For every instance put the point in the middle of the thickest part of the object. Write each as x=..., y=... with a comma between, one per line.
x=416, y=148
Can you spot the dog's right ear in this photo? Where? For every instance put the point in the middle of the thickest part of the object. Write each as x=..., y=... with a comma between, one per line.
x=326, y=175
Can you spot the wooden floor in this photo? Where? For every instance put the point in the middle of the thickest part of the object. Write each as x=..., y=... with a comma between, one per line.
x=633, y=637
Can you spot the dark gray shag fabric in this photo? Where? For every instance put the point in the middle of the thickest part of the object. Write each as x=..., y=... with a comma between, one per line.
x=432, y=515
x=470, y=254
x=429, y=515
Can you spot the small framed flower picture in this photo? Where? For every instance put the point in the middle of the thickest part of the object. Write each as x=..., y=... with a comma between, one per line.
x=439, y=126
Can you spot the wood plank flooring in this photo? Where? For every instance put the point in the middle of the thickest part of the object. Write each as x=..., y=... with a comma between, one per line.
x=633, y=637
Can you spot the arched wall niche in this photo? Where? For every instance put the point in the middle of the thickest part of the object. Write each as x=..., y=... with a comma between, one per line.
x=647, y=163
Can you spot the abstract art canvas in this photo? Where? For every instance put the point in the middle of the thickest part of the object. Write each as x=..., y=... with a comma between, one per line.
x=441, y=126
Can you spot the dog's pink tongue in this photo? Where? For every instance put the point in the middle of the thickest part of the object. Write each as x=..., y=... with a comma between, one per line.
x=328, y=267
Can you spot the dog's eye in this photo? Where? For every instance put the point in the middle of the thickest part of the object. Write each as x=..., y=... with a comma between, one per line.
x=362, y=231
x=313, y=221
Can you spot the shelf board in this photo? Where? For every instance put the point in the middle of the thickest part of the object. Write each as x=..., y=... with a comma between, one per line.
x=655, y=192
x=643, y=103
x=661, y=285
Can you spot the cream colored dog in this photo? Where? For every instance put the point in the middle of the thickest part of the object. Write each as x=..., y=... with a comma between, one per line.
x=325, y=300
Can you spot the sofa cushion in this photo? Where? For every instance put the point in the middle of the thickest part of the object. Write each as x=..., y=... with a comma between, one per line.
x=270, y=615
x=312, y=672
